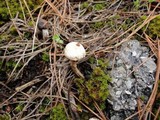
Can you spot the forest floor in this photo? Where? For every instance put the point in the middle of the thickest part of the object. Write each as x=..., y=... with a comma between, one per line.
x=36, y=80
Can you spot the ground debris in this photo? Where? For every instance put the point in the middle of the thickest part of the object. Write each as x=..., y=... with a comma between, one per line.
x=132, y=78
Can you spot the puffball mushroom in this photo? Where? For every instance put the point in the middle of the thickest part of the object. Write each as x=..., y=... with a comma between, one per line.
x=93, y=119
x=75, y=51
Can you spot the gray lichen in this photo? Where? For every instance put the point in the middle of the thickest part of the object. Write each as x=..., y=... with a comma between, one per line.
x=132, y=77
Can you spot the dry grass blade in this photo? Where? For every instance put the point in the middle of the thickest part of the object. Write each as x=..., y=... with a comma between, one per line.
x=20, y=88
x=146, y=21
x=100, y=111
x=137, y=29
x=151, y=44
x=1, y=83
x=55, y=9
x=139, y=104
x=42, y=75
x=157, y=114
x=35, y=30
x=29, y=11
x=135, y=114
x=89, y=109
x=148, y=106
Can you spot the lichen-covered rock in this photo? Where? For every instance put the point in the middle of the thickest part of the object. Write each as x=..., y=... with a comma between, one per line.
x=132, y=78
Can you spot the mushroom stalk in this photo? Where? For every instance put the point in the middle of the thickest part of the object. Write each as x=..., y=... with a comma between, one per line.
x=75, y=69
x=75, y=51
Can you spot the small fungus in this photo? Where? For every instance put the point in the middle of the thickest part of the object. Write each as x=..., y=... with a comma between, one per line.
x=74, y=51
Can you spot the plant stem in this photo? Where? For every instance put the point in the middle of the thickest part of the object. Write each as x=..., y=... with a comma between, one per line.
x=75, y=69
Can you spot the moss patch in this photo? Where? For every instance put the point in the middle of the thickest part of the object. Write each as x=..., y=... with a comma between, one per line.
x=153, y=28
x=5, y=117
x=96, y=87
x=91, y=6
x=58, y=113
x=15, y=8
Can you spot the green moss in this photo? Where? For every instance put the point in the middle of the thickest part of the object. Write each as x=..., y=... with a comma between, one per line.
x=101, y=62
x=111, y=22
x=97, y=72
x=99, y=6
x=45, y=57
x=127, y=23
x=27, y=35
x=140, y=3
x=43, y=107
x=151, y=1
x=15, y=8
x=19, y=107
x=5, y=116
x=8, y=35
x=136, y=3
x=13, y=31
x=153, y=28
x=84, y=5
x=142, y=98
x=98, y=25
x=11, y=64
x=96, y=87
x=4, y=37
x=58, y=113
x=90, y=6
x=94, y=6
x=30, y=23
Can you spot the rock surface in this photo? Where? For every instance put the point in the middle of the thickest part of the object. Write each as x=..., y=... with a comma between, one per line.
x=132, y=78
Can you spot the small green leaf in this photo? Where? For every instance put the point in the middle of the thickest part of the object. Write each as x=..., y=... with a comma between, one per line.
x=136, y=3
x=45, y=57
x=19, y=107
x=57, y=39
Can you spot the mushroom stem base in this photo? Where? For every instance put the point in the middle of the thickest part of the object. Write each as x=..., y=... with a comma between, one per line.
x=75, y=69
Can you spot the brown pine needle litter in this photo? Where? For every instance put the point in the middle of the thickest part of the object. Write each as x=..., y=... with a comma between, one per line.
x=36, y=80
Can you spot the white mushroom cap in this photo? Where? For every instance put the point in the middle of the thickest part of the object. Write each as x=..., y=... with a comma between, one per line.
x=93, y=119
x=74, y=51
